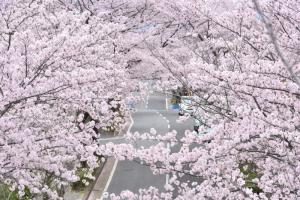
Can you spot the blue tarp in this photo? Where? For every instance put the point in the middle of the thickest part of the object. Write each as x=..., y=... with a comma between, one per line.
x=175, y=106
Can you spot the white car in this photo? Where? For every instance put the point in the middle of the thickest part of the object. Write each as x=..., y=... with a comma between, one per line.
x=186, y=105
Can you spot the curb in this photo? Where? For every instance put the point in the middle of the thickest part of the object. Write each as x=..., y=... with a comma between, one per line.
x=100, y=185
x=91, y=188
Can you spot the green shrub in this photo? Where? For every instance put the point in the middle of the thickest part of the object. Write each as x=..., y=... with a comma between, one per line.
x=82, y=174
x=249, y=171
x=7, y=194
x=80, y=184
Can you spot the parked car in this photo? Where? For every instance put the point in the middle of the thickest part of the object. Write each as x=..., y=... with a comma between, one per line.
x=186, y=105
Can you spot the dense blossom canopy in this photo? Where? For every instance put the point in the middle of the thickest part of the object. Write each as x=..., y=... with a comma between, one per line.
x=62, y=59
x=57, y=64
x=242, y=63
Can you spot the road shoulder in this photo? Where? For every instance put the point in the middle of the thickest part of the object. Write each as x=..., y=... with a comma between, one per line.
x=101, y=181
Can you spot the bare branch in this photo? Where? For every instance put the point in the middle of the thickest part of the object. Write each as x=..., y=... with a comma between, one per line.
x=274, y=41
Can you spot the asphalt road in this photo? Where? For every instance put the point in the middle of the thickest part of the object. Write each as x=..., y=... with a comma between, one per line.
x=130, y=175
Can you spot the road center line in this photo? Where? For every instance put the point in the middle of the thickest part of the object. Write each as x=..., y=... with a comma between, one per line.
x=167, y=105
x=147, y=101
x=168, y=175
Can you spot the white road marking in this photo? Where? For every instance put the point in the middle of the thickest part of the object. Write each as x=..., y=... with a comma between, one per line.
x=168, y=144
x=112, y=138
x=131, y=124
x=167, y=105
x=115, y=164
x=119, y=138
x=167, y=175
x=147, y=101
x=109, y=179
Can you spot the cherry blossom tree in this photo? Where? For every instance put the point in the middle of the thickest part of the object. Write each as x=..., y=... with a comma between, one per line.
x=64, y=61
x=242, y=64
x=58, y=64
